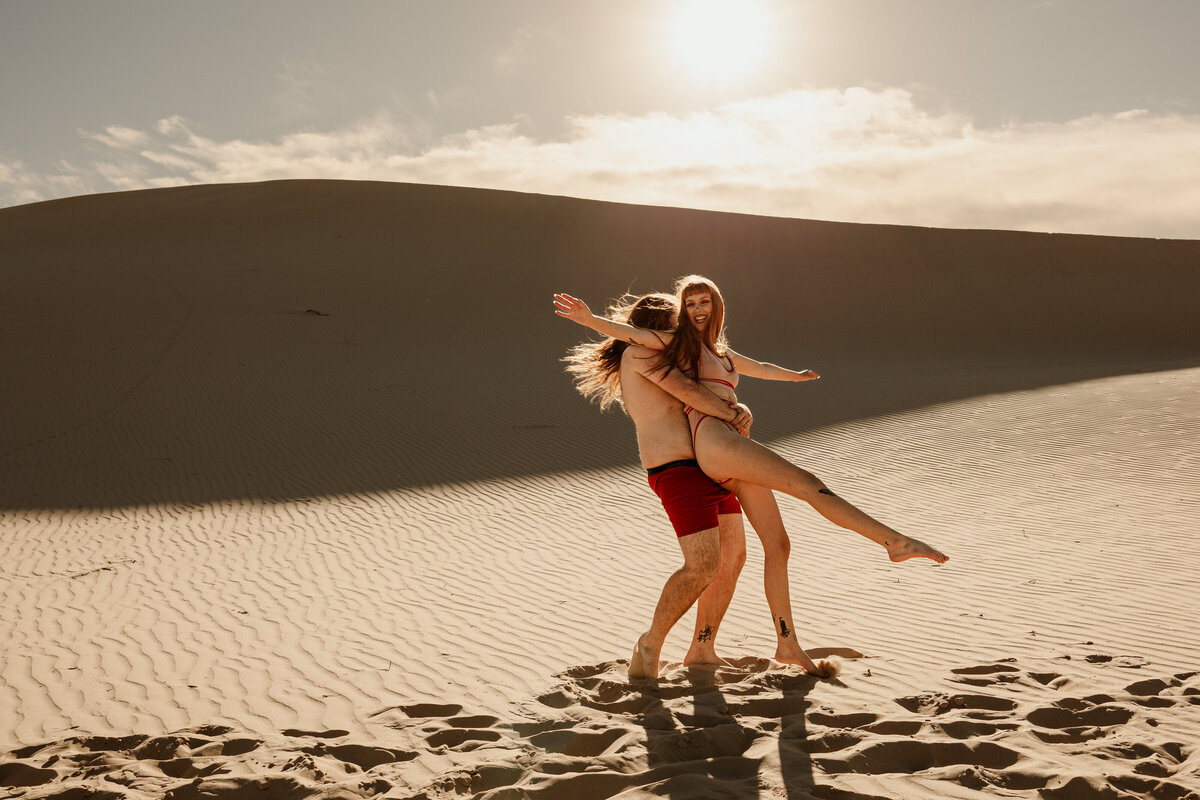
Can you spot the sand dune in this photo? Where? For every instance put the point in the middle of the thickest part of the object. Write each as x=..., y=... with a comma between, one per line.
x=278, y=340
x=295, y=500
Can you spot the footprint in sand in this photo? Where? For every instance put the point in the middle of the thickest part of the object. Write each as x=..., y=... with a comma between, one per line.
x=476, y=721
x=462, y=739
x=188, y=768
x=556, y=699
x=445, y=726
x=969, y=729
x=1045, y=678
x=442, y=725
x=364, y=757
x=1162, y=692
x=17, y=774
x=987, y=674
x=913, y=755
x=331, y=734
x=896, y=727
x=832, y=741
x=1160, y=761
x=1074, y=720
x=940, y=703
x=585, y=743
x=1126, y=662
x=430, y=710
x=1119, y=786
x=868, y=723
x=1071, y=712
x=986, y=669
x=605, y=687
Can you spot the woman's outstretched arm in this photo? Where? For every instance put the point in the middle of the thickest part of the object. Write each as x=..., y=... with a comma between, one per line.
x=576, y=310
x=767, y=371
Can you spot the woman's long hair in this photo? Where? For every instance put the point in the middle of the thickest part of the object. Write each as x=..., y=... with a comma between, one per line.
x=596, y=366
x=683, y=351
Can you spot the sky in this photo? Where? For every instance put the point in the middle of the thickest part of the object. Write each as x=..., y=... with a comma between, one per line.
x=1078, y=116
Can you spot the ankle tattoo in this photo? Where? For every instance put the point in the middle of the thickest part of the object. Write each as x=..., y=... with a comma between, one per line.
x=783, y=628
x=705, y=634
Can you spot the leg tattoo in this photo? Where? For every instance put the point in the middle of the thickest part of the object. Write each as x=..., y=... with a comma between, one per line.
x=705, y=634
x=783, y=628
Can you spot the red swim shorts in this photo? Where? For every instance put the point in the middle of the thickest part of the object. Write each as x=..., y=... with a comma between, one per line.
x=691, y=499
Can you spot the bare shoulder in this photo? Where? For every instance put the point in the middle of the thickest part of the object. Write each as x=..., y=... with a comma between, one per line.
x=639, y=351
x=738, y=359
x=644, y=360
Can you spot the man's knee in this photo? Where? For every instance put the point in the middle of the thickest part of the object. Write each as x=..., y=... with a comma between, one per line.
x=733, y=556
x=733, y=542
x=739, y=559
x=704, y=569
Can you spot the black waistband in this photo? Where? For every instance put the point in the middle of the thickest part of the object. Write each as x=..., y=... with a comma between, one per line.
x=682, y=462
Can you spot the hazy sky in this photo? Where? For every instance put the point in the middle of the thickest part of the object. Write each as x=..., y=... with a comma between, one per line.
x=1054, y=115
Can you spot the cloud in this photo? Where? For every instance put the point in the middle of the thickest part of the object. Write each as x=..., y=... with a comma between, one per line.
x=20, y=185
x=118, y=137
x=856, y=154
x=518, y=51
x=300, y=89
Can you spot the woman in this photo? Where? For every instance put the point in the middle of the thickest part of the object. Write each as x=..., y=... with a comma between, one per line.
x=698, y=348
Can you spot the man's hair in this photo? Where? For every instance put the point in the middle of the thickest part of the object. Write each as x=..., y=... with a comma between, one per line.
x=596, y=366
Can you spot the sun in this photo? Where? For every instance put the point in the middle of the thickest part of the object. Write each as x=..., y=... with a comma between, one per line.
x=716, y=40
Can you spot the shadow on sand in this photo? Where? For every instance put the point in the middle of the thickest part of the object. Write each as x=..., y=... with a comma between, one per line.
x=310, y=338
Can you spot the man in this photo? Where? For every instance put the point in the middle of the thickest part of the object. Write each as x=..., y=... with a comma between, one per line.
x=707, y=518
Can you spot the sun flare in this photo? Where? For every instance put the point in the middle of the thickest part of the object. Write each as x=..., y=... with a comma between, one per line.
x=719, y=39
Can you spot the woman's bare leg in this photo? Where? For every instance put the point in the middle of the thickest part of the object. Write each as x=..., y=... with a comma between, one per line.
x=714, y=601
x=763, y=513
x=724, y=454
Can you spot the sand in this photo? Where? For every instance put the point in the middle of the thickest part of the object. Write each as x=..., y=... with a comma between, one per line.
x=296, y=501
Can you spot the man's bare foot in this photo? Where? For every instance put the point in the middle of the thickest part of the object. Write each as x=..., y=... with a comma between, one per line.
x=904, y=548
x=704, y=659
x=637, y=665
x=643, y=663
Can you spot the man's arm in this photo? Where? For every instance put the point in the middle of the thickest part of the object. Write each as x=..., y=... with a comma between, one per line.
x=691, y=392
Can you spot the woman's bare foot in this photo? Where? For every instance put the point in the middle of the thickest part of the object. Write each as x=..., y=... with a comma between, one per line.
x=796, y=656
x=827, y=670
x=644, y=661
x=904, y=548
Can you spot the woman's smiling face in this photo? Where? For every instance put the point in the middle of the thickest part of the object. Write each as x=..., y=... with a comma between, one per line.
x=699, y=307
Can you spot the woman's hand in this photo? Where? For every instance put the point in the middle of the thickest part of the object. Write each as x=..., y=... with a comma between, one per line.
x=573, y=309
x=806, y=375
